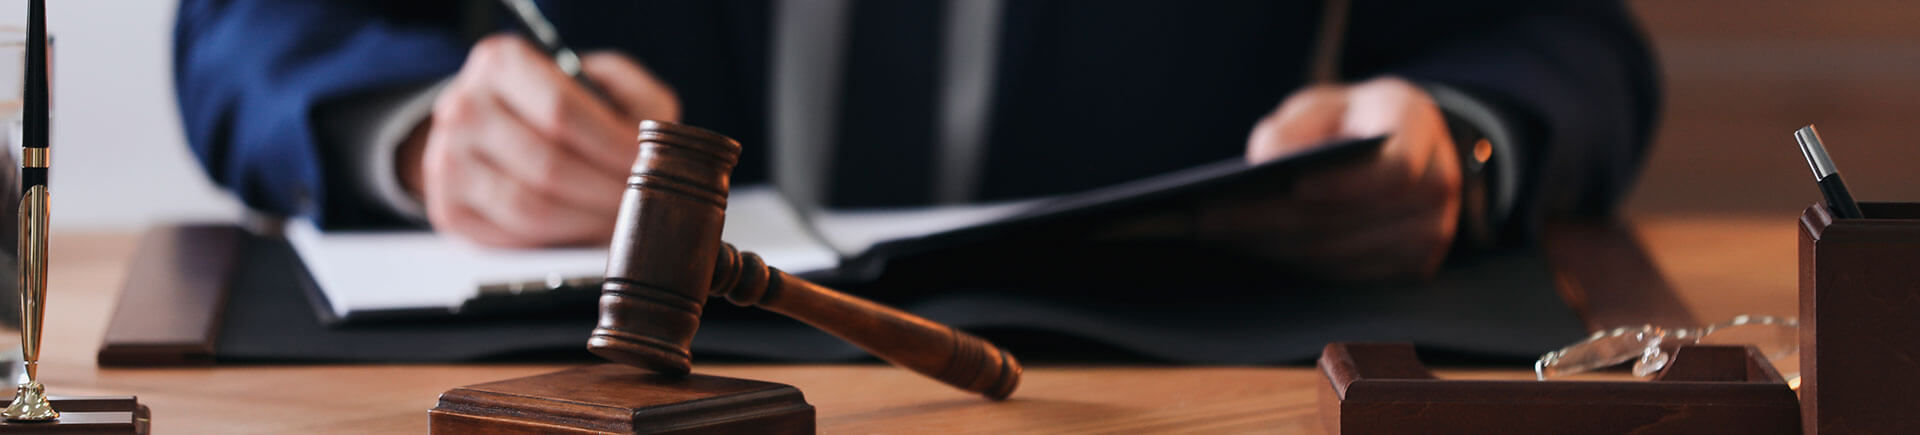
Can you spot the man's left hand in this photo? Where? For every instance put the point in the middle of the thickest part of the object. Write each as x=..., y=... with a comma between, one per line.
x=1391, y=216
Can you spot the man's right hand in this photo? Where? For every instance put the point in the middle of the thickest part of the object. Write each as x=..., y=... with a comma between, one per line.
x=518, y=154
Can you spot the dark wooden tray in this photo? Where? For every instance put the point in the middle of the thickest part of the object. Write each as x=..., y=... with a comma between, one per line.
x=1374, y=388
x=170, y=309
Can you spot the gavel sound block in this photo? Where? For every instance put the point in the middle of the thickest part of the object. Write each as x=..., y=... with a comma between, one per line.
x=617, y=399
x=667, y=259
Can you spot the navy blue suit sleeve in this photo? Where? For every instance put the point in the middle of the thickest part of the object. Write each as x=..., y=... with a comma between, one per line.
x=249, y=75
x=1575, y=78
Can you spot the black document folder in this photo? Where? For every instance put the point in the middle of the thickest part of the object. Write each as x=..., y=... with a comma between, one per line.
x=1500, y=306
x=1032, y=281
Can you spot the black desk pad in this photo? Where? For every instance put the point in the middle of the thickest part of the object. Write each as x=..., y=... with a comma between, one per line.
x=1501, y=306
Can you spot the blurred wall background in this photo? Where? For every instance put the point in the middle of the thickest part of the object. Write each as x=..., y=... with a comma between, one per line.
x=120, y=161
x=1740, y=77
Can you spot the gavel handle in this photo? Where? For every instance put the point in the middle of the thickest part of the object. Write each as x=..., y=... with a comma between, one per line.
x=938, y=351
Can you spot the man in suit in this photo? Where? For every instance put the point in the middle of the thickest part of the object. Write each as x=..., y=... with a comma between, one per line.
x=1498, y=113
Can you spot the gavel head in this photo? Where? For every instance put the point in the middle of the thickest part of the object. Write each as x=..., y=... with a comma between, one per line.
x=661, y=260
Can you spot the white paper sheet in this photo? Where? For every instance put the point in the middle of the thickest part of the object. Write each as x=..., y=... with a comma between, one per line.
x=393, y=270
x=852, y=232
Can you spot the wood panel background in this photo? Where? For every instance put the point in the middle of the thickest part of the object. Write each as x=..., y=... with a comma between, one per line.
x=1740, y=76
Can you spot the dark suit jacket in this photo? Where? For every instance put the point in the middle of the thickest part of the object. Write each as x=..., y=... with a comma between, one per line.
x=1089, y=92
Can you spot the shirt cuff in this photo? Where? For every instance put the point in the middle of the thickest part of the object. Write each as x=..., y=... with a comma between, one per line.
x=370, y=131
x=1505, y=176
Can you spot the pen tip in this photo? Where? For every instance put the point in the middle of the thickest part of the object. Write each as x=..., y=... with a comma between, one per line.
x=1808, y=136
x=1814, y=151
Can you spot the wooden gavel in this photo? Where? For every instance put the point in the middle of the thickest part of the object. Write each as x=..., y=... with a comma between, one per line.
x=667, y=259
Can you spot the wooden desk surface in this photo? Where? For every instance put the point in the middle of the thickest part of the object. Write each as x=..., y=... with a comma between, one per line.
x=1722, y=266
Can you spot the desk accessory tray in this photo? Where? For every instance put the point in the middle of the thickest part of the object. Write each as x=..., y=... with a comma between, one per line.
x=1374, y=388
x=1860, y=319
x=170, y=310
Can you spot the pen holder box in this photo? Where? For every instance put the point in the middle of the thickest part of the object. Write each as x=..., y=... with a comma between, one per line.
x=1860, y=320
x=1380, y=388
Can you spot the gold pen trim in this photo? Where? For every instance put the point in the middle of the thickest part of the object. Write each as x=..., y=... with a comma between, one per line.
x=30, y=401
x=33, y=157
x=33, y=269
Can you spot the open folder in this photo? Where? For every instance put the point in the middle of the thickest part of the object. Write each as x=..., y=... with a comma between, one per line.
x=388, y=274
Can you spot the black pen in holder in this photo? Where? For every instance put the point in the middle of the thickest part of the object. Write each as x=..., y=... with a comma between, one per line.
x=1839, y=200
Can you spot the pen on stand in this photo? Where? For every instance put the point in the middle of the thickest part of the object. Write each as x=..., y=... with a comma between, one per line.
x=1826, y=175
x=30, y=401
x=527, y=15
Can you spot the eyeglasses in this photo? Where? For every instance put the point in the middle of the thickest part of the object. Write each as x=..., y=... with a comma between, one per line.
x=1651, y=347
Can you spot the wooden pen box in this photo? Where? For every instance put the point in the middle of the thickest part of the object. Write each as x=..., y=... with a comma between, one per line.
x=1860, y=320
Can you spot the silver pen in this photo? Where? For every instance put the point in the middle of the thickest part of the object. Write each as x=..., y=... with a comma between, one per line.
x=527, y=15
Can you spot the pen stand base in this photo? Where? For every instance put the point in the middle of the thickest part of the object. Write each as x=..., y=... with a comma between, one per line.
x=617, y=399
x=1859, y=334
x=1379, y=388
x=92, y=415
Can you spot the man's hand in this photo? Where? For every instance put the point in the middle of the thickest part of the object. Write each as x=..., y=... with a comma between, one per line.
x=1389, y=217
x=518, y=154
